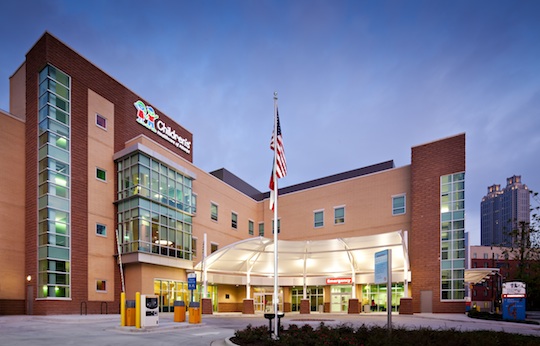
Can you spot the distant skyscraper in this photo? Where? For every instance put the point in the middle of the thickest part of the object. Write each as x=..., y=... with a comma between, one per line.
x=503, y=210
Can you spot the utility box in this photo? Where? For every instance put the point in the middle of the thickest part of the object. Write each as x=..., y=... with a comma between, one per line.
x=513, y=301
x=149, y=311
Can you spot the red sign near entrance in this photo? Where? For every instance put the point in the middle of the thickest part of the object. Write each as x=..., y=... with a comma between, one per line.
x=338, y=281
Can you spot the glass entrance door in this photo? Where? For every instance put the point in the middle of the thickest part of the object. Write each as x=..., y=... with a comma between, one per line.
x=340, y=298
x=262, y=297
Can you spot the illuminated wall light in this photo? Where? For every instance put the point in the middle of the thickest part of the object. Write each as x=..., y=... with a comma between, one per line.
x=61, y=143
x=60, y=181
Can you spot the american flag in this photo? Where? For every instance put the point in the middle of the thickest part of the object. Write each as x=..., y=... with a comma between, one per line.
x=280, y=163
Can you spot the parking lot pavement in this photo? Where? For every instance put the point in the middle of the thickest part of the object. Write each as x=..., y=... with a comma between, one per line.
x=213, y=330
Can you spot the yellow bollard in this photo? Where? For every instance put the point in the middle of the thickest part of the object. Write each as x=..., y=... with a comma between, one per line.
x=179, y=311
x=122, y=309
x=138, y=310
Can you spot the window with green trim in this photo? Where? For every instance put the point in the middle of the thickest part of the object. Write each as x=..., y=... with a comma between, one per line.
x=101, y=174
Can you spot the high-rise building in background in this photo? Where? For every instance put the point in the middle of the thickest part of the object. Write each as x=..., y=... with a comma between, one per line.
x=503, y=210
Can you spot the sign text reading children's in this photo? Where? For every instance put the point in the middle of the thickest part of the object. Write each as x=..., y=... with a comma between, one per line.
x=147, y=117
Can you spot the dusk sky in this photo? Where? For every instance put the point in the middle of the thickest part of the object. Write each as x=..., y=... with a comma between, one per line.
x=358, y=82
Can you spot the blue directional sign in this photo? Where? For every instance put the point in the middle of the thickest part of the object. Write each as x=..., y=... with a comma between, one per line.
x=192, y=282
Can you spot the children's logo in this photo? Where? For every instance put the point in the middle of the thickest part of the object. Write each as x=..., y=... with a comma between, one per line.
x=146, y=115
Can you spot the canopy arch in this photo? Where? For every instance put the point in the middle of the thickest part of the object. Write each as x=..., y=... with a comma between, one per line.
x=352, y=257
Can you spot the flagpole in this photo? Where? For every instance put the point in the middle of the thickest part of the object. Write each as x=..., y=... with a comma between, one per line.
x=275, y=300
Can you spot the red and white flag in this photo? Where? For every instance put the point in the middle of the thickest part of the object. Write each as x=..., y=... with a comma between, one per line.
x=280, y=163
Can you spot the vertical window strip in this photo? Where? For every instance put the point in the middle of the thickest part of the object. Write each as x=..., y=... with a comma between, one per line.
x=452, y=203
x=54, y=253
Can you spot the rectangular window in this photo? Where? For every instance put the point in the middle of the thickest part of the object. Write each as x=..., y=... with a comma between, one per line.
x=101, y=229
x=452, y=235
x=194, y=246
x=234, y=220
x=54, y=204
x=251, y=227
x=318, y=218
x=339, y=215
x=101, y=174
x=101, y=121
x=214, y=211
x=101, y=285
x=213, y=247
x=261, y=229
x=398, y=205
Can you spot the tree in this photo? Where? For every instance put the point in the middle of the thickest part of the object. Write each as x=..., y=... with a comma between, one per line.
x=525, y=251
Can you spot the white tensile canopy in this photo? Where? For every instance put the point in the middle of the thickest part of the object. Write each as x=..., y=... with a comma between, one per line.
x=309, y=258
x=477, y=275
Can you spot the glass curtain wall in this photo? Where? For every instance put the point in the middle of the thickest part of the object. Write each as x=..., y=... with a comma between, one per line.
x=170, y=291
x=155, y=207
x=54, y=184
x=375, y=297
x=453, y=237
x=315, y=294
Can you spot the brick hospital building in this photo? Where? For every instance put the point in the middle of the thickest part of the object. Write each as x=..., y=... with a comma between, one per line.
x=95, y=179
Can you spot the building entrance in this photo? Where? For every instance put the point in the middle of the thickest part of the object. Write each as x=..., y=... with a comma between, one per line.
x=263, y=302
x=315, y=295
x=340, y=298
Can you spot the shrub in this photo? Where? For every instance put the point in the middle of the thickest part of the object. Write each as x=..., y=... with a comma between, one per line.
x=346, y=335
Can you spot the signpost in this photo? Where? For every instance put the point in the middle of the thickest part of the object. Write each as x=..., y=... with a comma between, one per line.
x=383, y=274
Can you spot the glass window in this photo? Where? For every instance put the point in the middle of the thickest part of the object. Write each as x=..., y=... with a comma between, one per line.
x=318, y=218
x=250, y=227
x=101, y=174
x=101, y=121
x=101, y=285
x=54, y=204
x=234, y=220
x=101, y=229
x=339, y=215
x=213, y=211
x=194, y=247
x=213, y=247
x=398, y=205
x=452, y=236
x=261, y=229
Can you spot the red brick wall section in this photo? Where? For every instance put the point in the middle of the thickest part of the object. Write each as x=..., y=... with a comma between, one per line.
x=405, y=306
x=49, y=50
x=230, y=307
x=12, y=307
x=428, y=163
